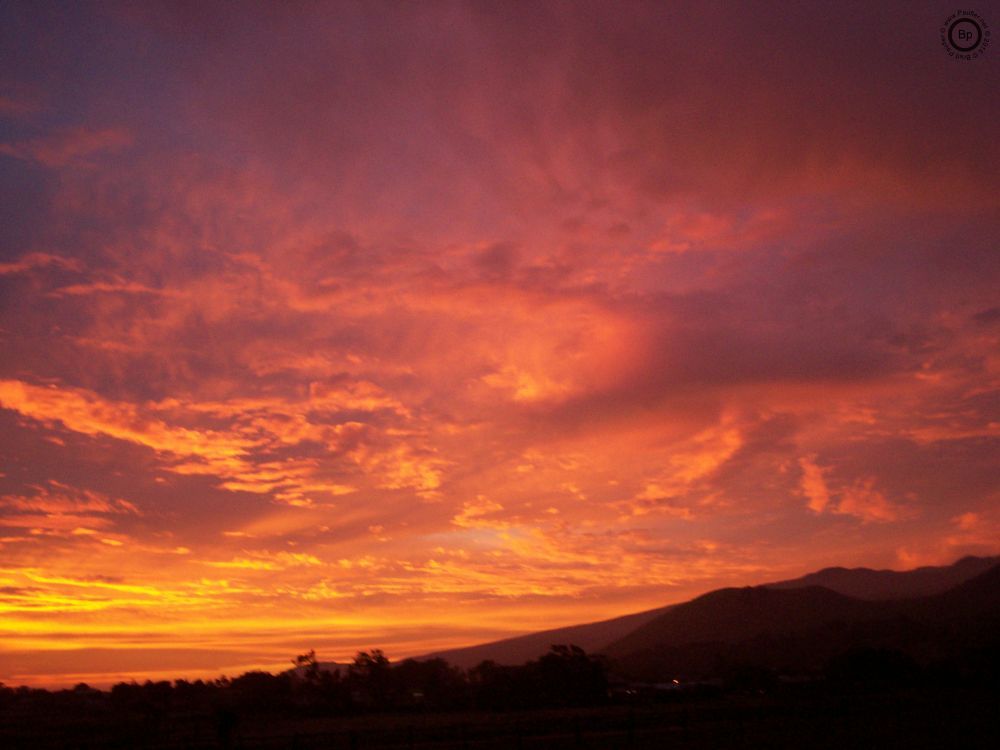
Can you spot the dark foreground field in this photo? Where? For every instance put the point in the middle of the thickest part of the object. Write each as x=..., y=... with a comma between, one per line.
x=794, y=717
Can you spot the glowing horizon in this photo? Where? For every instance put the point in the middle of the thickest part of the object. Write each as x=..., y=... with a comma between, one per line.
x=417, y=326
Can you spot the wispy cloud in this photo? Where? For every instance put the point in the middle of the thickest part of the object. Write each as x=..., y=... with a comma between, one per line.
x=69, y=146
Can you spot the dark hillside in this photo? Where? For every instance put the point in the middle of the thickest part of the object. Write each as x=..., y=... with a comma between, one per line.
x=592, y=636
x=799, y=631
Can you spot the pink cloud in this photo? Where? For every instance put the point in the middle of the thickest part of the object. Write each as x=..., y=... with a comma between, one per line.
x=70, y=146
x=33, y=261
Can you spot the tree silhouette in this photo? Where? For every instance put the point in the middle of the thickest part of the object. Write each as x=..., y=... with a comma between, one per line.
x=370, y=676
x=308, y=664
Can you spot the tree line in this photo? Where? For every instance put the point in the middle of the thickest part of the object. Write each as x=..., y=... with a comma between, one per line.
x=566, y=676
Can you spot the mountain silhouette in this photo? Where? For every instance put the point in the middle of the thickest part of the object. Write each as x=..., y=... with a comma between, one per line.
x=793, y=625
x=592, y=637
x=733, y=615
x=800, y=630
x=865, y=583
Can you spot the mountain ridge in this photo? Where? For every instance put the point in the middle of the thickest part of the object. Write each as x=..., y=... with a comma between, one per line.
x=800, y=630
x=872, y=584
x=862, y=585
x=590, y=636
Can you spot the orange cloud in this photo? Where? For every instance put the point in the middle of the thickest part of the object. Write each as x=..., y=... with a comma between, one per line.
x=863, y=501
x=814, y=485
x=860, y=499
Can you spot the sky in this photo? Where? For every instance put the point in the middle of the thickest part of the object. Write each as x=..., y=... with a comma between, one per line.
x=340, y=326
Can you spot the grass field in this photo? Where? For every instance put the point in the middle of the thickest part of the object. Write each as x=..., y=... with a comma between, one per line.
x=796, y=718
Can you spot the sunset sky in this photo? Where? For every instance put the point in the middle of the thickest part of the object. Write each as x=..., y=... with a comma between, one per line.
x=414, y=325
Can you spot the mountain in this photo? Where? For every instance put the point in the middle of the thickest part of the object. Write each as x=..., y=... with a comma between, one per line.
x=865, y=583
x=703, y=638
x=731, y=616
x=520, y=649
x=800, y=630
x=975, y=599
